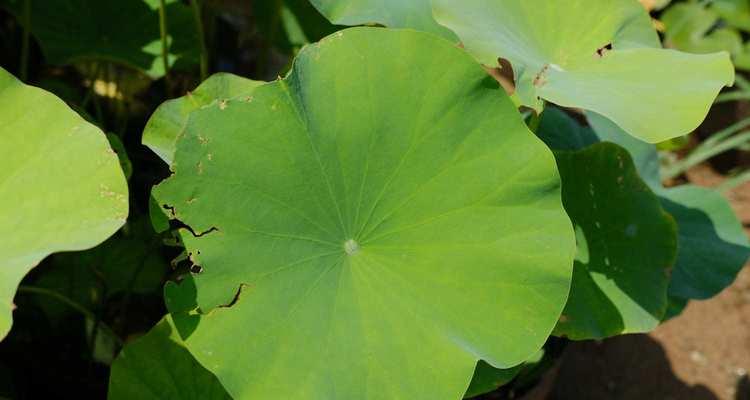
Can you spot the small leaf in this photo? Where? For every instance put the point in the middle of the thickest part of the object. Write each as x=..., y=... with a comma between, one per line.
x=626, y=245
x=692, y=27
x=61, y=187
x=735, y=13
x=157, y=366
x=487, y=379
x=333, y=242
x=599, y=55
x=168, y=121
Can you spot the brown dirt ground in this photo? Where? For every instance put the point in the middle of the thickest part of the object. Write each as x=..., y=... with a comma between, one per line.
x=704, y=354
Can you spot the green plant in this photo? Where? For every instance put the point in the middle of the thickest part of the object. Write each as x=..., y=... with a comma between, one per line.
x=383, y=222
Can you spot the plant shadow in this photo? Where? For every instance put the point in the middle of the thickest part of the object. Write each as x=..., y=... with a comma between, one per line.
x=630, y=367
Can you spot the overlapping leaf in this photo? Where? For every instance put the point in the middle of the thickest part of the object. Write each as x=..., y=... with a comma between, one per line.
x=713, y=247
x=61, y=186
x=599, y=55
x=123, y=31
x=626, y=245
x=416, y=14
x=157, y=366
x=330, y=199
x=168, y=121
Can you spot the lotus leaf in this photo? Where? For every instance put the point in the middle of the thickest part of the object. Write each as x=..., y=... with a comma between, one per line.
x=361, y=237
x=61, y=188
x=599, y=55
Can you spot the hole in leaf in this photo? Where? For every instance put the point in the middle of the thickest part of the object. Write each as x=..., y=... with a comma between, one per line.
x=602, y=51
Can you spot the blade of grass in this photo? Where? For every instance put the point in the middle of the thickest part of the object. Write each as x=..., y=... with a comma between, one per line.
x=734, y=181
x=697, y=157
x=742, y=82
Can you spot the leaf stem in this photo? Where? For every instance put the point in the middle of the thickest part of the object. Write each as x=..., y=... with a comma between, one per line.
x=24, y=65
x=196, y=6
x=164, y=44
x=69, y=302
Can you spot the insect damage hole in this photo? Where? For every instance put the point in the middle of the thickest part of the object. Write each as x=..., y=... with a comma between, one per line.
x=602, y=51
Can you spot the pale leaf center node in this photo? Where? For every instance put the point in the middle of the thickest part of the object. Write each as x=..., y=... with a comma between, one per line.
x=351, y=246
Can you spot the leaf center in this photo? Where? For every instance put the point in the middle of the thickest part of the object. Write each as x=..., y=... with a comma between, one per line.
x=351, y=247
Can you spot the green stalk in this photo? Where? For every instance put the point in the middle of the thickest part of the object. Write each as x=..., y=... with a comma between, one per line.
x=164, y=44
x=25, y=40
x=59, y=297
x=68, y=302
x=196, y=6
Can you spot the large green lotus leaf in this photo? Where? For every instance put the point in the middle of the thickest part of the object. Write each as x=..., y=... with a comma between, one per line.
x=560, y=52
x=415, y=14
x=626, y=245
x=387, y=216
x=61, y=186
x=157, y=366
x=122, y=31
x=713, y=247
x=692, y=27
x=169, y=119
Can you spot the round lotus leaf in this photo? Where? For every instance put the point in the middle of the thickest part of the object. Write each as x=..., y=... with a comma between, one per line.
x=62, y=187
x=122, y=31
x=626, y=245
x=599, y=55
x=169, y=119
x=157, y=366
x=370, y=226
x=416, y=14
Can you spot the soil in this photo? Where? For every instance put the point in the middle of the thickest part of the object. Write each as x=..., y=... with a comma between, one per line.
x=704, y=354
